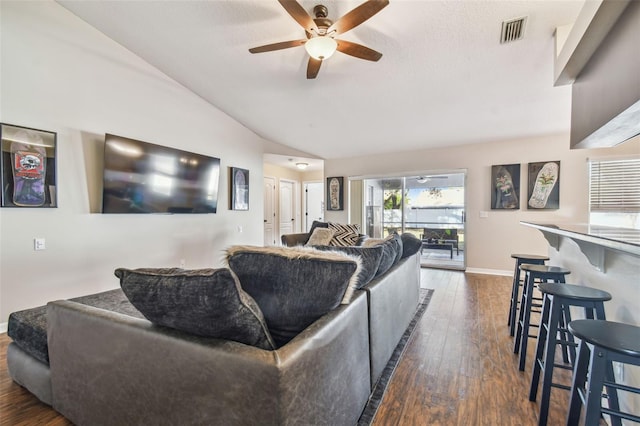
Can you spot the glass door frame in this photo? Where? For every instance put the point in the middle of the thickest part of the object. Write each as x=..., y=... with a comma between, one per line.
x=361, y=195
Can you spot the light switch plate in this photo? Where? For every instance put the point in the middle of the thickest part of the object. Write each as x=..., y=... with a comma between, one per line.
x=39, y=244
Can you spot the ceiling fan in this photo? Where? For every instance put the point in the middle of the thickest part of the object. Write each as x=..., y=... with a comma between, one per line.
x=425, y=179
x=321, y=41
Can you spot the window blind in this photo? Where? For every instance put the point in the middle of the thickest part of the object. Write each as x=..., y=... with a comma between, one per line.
x=614, y=185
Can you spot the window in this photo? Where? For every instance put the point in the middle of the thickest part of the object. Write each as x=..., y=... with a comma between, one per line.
x=614, y=193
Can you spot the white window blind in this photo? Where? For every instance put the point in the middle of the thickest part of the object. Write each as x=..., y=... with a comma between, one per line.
x=614, y=185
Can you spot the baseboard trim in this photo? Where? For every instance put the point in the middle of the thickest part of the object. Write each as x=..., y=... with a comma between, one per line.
x=489, y=272
x=3, y=327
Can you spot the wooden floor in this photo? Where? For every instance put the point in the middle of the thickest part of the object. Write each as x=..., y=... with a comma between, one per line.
x=458, y=368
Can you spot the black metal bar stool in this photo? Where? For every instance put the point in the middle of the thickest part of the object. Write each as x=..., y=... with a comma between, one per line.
x=601, y=343
x=557, y=300
x=533, y=273
x=532, y=259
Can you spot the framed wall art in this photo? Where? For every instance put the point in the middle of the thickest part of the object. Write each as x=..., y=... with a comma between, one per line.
x=335, y=193
x=544, y=186
x=28, y=167
x=505, y=187
x=239, y=189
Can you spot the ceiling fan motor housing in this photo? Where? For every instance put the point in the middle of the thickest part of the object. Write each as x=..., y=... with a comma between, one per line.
x=321, y=20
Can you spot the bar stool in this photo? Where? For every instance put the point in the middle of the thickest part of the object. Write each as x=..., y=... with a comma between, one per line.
x=601, y=343
x=532, y=259
x=541, y=273
x=557, y=300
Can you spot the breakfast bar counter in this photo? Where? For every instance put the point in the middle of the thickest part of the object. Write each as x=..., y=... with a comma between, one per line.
x=607, y=259
x=594, y=241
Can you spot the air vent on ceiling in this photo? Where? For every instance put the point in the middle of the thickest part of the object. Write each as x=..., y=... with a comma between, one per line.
x=512, y=30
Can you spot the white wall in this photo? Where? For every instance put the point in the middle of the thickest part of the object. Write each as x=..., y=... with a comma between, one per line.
x=61, y=75
x=490, y=241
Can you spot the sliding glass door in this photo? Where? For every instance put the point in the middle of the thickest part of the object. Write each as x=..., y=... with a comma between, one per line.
x=430, y=206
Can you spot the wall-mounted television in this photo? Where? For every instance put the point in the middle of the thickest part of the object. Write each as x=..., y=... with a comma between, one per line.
x=140, y=177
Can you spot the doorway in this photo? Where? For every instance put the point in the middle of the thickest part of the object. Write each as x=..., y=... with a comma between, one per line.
x=430, y=206
x=287, y=210
x=269, y=210
x=313, y=203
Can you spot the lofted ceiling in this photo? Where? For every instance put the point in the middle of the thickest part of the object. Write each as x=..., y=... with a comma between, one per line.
x=444, y=78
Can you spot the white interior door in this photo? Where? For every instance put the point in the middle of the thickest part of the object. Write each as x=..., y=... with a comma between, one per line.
x=269, y=210
x=314, y=203
x=287, y=207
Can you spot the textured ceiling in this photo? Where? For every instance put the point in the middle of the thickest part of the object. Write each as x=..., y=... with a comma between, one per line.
x=444, y=78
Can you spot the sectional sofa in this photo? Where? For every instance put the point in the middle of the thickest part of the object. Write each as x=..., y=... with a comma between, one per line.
x=103, y=362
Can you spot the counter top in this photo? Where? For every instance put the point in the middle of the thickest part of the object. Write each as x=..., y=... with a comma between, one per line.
x=618, y=239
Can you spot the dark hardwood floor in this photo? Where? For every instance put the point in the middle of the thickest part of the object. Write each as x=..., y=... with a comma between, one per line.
x=458, y=368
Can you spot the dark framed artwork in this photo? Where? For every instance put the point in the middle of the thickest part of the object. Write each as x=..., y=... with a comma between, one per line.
x=543, y=191
x=28, y=167
x=505, y=187
x=335, y=193
x=239, y=189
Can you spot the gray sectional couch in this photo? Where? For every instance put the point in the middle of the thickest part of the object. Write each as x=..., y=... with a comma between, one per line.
x=109, y=367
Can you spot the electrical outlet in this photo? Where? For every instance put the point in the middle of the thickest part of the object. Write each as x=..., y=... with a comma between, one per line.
x=183, y=263
x=484, y=214
x=239, y=228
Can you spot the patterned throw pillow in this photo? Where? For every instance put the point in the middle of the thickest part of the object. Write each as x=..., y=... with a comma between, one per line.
x=321, y=237
x=294, y=286
x=205, y=302
x=345, y=235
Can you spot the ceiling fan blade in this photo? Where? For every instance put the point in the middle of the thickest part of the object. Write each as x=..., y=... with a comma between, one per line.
x=277, y=46
x=358, y=15
x=358, y=50
x=301, y=16
x=313, y=67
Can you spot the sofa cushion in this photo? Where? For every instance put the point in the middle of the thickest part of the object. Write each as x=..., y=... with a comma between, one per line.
x=321, y=237
x=369, y=256
x=345, y=235
x=28, y=328
x=294, y=286
x=410, y=244
x=204, y=302
x=389, y=252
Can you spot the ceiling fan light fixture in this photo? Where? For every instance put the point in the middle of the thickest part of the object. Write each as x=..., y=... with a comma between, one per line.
x=302, y=166
x=321, y=47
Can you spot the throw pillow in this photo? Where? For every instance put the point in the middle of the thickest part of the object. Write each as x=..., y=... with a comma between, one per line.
x=370, y=257
x=316, y=224
x=206, y=302
x=294, y=286
x=321, y=237
x=345, y=235
x=398, y=242
x=389, y=252
x=410, y=244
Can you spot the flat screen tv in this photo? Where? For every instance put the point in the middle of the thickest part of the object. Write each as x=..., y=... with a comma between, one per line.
x=141, y=177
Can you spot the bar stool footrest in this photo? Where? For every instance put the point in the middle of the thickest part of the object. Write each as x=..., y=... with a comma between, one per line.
x=559, y=386
x=620, y=414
